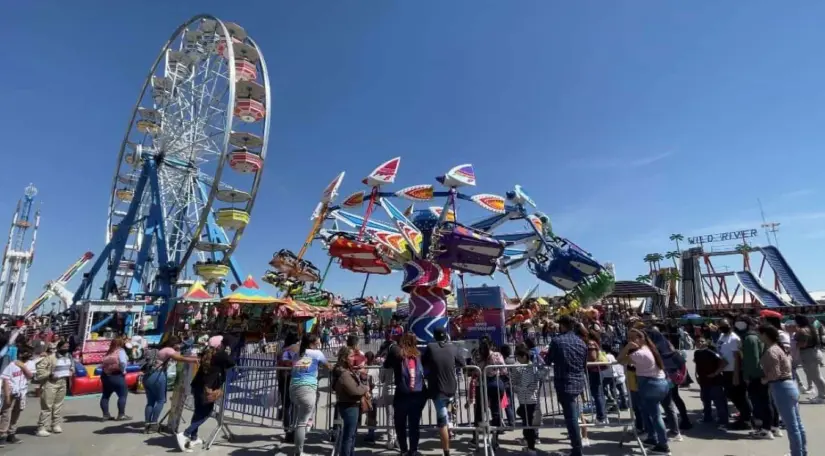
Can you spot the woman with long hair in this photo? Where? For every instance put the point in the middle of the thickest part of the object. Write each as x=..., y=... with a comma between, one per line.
x=410, y=395
x=653, y=386
x=286, y=357
x=349, y=389
x=493, y=380
x=155, y=379
x=303, y=387
x=207, y=388
x=777, y=366
x=808, y=342
x=113, y=378
x=676, y=415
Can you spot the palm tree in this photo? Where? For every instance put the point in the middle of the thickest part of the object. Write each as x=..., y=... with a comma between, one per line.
x=643, y=278
x=657, y=258
x=674, y=275
x=672, y=255
x=743, y=248
x=649, y=260
x=677, y=237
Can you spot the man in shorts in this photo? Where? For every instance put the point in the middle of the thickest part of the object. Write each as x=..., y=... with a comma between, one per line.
x=440, y=361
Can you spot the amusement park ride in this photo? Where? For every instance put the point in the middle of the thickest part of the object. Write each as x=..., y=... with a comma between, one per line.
x=187, y=172
x=57, y=288
x=17, y=261
x=431, y=244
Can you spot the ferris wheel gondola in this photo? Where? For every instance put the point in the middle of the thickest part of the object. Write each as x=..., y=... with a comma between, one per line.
x=190, y=164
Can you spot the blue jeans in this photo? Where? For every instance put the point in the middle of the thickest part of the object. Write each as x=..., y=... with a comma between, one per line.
x=408, y=409
x=155, y=386
x=786, y=397
x=636, y=405
x=597, y=393
x=714, y=396
x=570, y=409
x=202, y=412
x=113, y=384
x=349, y=414
x=652, y=391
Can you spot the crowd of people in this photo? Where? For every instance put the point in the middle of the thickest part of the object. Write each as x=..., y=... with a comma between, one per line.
x=750, y=361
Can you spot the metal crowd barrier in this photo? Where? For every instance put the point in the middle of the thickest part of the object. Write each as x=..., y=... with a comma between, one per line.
x=255, y=395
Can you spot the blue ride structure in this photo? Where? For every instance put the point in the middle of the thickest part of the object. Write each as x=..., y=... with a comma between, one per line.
x=187, y=174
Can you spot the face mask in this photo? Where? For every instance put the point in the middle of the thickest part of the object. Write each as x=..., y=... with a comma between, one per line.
x=63, y=351
x=741, y=325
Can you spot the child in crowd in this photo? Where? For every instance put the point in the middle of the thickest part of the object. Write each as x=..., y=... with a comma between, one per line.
x=15, y=379
x=709, y=367
x=373, y=381
x=613, y=380
x=526, y=381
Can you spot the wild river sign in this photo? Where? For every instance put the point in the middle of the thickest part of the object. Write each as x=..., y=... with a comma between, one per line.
x=722, y=237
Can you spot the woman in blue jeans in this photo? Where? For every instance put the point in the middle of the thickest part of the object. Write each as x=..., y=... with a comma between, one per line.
x=155, y=380
x=113, y=379
x=207, y=387
x=349, y=390
x=410, y=396
x=777, y=367
x=653, y=387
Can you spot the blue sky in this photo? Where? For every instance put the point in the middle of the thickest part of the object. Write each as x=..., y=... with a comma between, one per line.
x=626, y=121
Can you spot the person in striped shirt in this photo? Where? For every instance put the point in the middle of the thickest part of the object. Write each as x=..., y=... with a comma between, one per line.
x=526, y=380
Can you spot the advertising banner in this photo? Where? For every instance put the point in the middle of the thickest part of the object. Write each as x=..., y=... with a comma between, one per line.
x=483, y=312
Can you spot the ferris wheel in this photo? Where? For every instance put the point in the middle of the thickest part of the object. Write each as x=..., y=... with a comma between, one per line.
x=189, y=167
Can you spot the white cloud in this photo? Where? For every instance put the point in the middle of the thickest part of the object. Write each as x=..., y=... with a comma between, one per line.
x=621, y=163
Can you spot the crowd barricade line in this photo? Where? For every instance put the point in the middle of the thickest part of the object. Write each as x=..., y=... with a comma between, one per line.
x=257, y=397
x=380, y=421
x=548, y=406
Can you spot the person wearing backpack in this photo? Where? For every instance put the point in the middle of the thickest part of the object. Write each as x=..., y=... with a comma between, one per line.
x=113, y=378
x=155, y=380
x=410, y=392
x=51, y=373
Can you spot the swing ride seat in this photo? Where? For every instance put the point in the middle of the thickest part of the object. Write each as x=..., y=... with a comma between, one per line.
x=283, y=260
x=581, y=260
x=366, y=266
x=343, y=246
x=558, y=271
x=465, y=249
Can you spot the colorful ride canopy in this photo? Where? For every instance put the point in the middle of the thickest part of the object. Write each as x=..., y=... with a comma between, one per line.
x=431, y=243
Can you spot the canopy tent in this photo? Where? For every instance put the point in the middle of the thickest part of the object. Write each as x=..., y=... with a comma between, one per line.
x=197, y=293
x=250, y=293
x=295, y=309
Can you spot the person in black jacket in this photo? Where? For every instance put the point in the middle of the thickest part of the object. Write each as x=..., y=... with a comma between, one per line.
x=440, y=360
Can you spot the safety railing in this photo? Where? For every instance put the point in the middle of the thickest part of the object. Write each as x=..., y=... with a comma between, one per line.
x=260, y=397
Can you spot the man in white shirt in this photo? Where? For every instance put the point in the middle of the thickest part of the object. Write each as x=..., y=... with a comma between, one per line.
x=729, y=346
x=15, y=378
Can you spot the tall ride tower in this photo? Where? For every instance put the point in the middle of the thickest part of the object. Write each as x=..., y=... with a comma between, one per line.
x=17, y=261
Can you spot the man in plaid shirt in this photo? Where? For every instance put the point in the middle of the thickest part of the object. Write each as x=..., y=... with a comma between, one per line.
x=568, y=356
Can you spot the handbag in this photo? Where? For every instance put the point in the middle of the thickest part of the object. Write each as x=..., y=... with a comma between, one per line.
x=366, y=403
x=212, y=395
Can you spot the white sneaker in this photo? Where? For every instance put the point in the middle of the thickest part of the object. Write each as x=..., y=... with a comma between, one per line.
x=603, y=422
x=762, y=435
x=197, y=441
x=42, y=433
x=777, y=432
x=57, y=430
x=182, y=440
x=585, y=442
x=676, y=438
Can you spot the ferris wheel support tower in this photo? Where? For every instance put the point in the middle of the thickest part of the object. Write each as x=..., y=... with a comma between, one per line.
x=14, y=274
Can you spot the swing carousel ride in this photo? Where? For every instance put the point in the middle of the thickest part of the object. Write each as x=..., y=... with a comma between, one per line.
x=430, y=245
x=187, y=172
